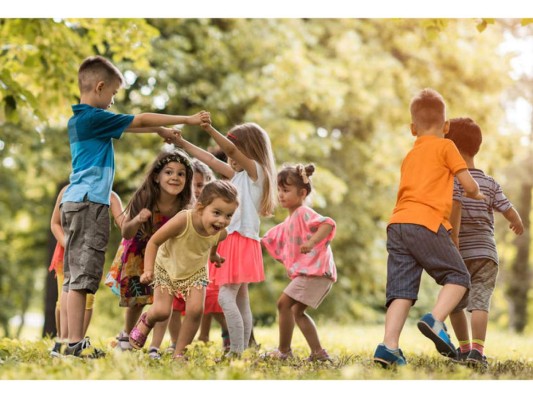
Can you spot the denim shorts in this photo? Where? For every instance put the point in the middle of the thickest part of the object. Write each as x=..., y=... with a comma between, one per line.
x=483, y=272
x=86, y=227
x=413, y=249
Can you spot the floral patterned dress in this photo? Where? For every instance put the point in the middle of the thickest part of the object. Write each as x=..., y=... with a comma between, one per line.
x=129, y=267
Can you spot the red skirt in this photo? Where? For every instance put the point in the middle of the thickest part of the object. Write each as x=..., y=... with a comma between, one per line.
x=210, y=306
x=243, y=264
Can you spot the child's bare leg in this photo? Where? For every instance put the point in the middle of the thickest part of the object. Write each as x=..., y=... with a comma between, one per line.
x=307, y=326
x=205, y=327
x=161, y=308
x=174, y=326
x=131, y=317
x=76, y=312
x=87, y=320
x=286, y=322
x=395, y=318
x=194, y=309
x=63, y=311
x=159, y=333
x=480, y=320
x=460, y=326
x=449, y=296
x=219, y=317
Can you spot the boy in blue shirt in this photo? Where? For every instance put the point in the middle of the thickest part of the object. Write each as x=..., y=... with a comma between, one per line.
x=84, y=207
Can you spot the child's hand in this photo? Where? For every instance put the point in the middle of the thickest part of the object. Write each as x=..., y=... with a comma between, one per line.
x=306, y=247
x=517, y=228
x=144, y=215
x=167, y=134
x=217, y=259
x=147, y=277
x=198, y=118
x=477, y=196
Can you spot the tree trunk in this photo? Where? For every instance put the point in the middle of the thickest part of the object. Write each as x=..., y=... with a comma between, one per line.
x=50, y=294
x=518, y=289
x=519, y=281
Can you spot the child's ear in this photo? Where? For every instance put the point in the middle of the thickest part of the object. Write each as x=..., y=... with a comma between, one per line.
x=303, y=192
x=199, y=207
x=446, y=127
x=413, y=129
x=99, y=86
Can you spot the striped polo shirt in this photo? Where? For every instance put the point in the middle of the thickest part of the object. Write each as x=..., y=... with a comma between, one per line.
x=476, y=236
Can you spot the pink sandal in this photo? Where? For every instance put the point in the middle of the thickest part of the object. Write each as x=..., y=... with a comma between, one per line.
x=137, y=338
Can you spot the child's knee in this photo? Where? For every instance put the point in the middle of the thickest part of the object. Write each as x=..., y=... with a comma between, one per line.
x=159, y=313
x=194, y=313
x=283, y=304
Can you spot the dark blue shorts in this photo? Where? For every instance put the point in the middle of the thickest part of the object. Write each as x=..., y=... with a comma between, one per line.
x=413, y=249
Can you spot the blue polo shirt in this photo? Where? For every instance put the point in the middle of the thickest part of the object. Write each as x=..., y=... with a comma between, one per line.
x=91, y=132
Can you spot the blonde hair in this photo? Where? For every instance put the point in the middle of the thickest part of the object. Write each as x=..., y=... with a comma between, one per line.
x=428, y=109
x=95, y=69
x=254, y=143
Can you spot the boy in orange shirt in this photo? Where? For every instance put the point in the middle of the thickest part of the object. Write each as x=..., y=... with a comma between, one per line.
x=418, y=237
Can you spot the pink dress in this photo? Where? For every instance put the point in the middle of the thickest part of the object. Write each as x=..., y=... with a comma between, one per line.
x=284, y=240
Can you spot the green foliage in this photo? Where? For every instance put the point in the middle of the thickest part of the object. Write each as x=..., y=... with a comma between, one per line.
x=334, y=92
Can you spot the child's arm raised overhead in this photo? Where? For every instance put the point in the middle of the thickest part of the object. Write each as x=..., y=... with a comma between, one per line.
x=130, y=226
x=232, y=151
x=55, y=222
x=321, y=233
x=174, y=227
x=515, y=224
x=220, y=167
x=469, y=185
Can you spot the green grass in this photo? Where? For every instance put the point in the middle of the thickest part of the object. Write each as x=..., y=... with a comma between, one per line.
x=510, y=358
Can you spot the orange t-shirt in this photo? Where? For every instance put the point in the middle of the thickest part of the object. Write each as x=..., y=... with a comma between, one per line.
x=426, y=183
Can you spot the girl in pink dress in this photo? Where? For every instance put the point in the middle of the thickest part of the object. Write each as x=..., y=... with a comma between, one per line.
x=250, y=168
x=302, y=244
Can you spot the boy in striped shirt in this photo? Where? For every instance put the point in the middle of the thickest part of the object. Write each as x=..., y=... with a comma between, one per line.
x=473, y=233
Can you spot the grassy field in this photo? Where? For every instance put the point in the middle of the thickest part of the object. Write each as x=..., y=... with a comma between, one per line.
x=510, y=358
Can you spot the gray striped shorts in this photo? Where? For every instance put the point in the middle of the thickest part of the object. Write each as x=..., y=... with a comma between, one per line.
x=413, y=249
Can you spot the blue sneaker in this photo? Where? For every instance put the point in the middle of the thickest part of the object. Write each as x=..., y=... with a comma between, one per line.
x=387, y=358
x=440, y=337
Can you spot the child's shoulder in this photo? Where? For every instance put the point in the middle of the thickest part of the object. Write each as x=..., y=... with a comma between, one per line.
x=480, y=176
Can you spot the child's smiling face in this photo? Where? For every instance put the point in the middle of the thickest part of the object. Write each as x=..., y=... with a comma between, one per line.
x=172, y=178
x=217, y=215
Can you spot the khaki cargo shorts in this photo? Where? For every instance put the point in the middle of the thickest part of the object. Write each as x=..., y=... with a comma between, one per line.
x=86, y=227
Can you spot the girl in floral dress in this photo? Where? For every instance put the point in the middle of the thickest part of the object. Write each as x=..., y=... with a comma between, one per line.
x=166, y=190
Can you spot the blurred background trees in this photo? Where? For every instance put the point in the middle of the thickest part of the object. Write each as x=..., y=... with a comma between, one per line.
x=334, y=92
